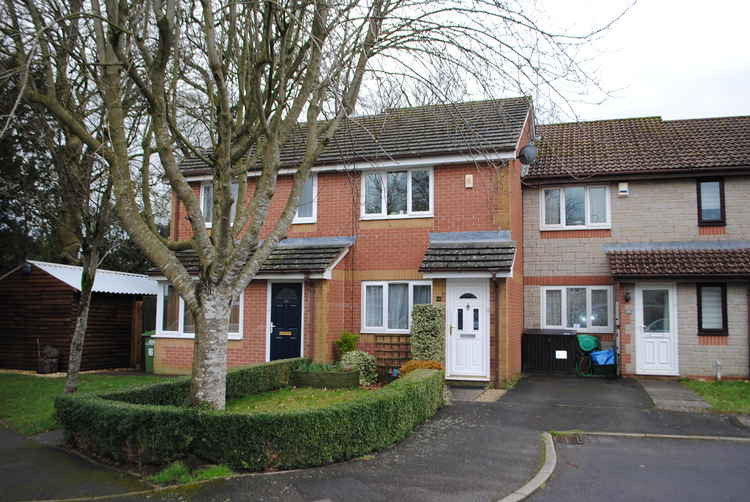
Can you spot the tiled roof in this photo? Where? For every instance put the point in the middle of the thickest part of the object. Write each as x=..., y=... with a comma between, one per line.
x=446, y=129
x=291, y=256
x=468, y=251
x=680, y=259
x=641, y=146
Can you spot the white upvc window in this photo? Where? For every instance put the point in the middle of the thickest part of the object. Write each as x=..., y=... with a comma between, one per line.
x=207, y=202
x=173, y=320
x=588, y=309
x=398, y=193
x=307, y=209
x=575, y=207
x=387, y=305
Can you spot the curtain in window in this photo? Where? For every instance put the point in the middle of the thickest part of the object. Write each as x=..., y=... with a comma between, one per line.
x=420, y=191
x=576, y=299
x=373, y=194
x=711, y=308
x=598, y=203
x=422, y=295
x=208, y=202
x=575, y=206
x=396, y=186
x=553, y=303
x=234, y=316
x=552, y=207
x=374, y=306
x=305, y=207
x=188, y=323
x=171, y=314
x=398, y=306
x=599, y=307
x=710, y=201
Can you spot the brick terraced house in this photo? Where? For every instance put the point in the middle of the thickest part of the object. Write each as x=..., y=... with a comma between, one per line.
x=635, y=230
x=415, y=205
x=641, y=227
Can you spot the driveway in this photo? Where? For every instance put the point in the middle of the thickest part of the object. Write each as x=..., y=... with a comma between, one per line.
x=619, y=469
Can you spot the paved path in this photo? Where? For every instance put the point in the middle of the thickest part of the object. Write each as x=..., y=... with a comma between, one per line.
x=626, y=469
x=32, y=471
x=672, y=395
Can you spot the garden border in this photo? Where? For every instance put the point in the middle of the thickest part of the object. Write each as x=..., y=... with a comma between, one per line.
x=152, y=425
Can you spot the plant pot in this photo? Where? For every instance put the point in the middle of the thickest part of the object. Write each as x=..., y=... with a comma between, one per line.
x=348, y=379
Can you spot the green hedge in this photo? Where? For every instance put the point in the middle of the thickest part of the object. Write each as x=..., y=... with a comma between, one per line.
x=128, y=430
x=428, y=332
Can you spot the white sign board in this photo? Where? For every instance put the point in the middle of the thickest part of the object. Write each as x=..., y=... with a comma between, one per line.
x=561, y=354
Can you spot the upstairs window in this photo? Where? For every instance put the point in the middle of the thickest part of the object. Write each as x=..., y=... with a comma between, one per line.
x=711, y=202
x=306, y=209
x=712, y=309
x=397, y=194
x=575, y=207
x=207, y=202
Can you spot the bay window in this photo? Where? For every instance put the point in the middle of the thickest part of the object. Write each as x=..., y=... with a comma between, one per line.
x=176, y=321
x=712, y=309
x=575, y=207
x=397, y=194
x=583, y=308
x=387, y=306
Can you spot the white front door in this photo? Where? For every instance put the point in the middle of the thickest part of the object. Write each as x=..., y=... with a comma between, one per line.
x=467, y=333
x=656, y=329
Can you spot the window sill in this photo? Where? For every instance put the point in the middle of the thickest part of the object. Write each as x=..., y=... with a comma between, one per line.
x=395, y=217
x=382, y=331
x=597, y=331
x=307, y=221
x=184, y=336
x=544, y=228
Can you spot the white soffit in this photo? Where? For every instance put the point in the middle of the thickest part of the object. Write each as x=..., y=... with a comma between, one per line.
x=106, y=281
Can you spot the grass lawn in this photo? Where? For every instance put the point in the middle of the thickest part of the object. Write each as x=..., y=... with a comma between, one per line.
x=27, y=402
x=301, y=398
x=729, y=396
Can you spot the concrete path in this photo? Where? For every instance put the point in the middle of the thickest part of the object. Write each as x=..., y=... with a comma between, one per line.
x=672, y=395
x=626, y=469
x=33, y=471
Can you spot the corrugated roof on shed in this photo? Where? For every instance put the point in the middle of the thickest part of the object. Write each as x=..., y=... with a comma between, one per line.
x=106, y=281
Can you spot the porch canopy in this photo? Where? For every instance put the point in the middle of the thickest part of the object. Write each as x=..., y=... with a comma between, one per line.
x=680, y=260
x=315, y=257
x=482, y=254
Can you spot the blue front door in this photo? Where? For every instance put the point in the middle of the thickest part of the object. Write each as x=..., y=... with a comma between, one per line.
x=286, y=320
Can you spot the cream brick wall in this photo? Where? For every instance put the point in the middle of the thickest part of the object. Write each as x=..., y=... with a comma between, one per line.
x=655, y=211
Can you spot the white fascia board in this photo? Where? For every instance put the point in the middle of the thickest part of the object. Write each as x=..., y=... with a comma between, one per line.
x=388, y=164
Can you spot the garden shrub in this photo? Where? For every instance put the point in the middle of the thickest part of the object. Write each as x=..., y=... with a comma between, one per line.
x=428, y=332
x=365, y=363
x=414, y=364
x=347, y=342
x=147, y=433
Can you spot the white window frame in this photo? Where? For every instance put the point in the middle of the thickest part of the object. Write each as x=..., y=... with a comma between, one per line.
x=609, y=328
x=309, y=219
x=383, y=215
x=384, y=284
x=587, y=205
x=180, y=333
x=233, y=212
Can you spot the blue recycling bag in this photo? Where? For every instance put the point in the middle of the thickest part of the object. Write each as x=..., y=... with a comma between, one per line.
x=603, y=357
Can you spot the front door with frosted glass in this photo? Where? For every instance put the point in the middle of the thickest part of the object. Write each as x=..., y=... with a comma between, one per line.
x=467, y=333
x=656, y=329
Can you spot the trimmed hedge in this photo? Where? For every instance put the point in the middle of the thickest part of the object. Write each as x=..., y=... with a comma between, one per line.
x=121, y=427
x=428, y=332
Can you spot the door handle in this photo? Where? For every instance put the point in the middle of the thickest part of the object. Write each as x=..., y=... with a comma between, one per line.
x=451, y=331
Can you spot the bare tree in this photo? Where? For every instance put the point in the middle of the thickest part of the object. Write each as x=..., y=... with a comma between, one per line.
x=241, y=77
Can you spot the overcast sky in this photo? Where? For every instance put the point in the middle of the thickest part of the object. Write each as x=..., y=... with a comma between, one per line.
x=677, y=59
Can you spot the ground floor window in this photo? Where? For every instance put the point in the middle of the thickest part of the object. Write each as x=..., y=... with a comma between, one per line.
x=584, y=308
x=386, y=306
x=173, y=319
x=712, y=309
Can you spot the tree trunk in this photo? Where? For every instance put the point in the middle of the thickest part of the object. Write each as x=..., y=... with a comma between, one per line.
x=208, y=387
x=89, y=261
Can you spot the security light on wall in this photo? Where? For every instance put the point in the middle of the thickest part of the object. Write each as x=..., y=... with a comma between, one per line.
x=623, y=190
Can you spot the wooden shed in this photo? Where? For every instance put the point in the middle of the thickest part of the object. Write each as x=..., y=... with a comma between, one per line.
x=38, y=306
